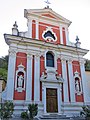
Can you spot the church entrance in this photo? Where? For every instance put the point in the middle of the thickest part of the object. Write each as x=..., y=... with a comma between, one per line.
x=51, y=100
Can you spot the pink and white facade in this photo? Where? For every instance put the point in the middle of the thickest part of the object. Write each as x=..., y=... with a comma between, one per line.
x=44, y=66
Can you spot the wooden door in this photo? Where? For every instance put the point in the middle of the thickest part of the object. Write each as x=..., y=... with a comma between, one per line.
x=51, y=100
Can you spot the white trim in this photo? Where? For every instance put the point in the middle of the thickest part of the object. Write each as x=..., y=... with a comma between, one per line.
x=71, y=81
x=11, y=74
x=61, y=35
x=84, y=84
x=44, y=100
x=20, y=69
x=55, y=60
x=49, y=37
x=37, y=30
x=29, y=78
x=65, y=84
x=30, y=28
x=67, y=36
x=57, y=86
x=37, y=79
x=77, y=75
x=59, y=90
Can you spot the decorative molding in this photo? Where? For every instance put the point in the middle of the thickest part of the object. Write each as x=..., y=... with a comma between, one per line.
x=70, y=60
x=51, y=36
x=20, y=79
x=78, y=85
x=12, y=52
x=29, y=56
x=82, y=62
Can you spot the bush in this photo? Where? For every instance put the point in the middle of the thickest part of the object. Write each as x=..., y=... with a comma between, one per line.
x=86, y=111
x=33, y=109
x=7, y=109
x=24, y=115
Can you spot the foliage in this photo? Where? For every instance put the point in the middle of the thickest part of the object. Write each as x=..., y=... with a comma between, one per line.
x=7, y=109
x=31, y=112
x=3, y=67
x=33, y=109
x=85, y=111
x=24, y=115
x=87, y=65
x=4, y=62
x=3, y=73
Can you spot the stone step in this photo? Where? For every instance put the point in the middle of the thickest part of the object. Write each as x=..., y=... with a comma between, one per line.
x=54, y=117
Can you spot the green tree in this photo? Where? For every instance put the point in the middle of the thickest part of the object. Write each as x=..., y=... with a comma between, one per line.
x=3, y=67
x=87, y=65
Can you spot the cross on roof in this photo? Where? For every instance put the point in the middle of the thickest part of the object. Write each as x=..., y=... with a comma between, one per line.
x=47, y=2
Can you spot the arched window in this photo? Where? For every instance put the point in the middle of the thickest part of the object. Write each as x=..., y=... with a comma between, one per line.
x=49, y=59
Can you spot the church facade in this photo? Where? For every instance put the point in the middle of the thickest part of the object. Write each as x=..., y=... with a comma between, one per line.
x=44, y=66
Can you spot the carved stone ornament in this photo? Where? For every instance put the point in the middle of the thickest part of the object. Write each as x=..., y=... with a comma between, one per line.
x=76, y=74
x=43, y=76
x=20, y=78
x=51, y=76
x=49, y=35
x=12, y=53
x=78, y=88
x=59, y=78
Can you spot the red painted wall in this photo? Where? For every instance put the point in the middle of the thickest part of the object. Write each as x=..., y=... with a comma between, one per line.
x=42, y=69
x=48, y=15
x=33, y=29
x=20, y=58
x=64, y=36
x=59, y=70
x=59, y=66
x=43, y=26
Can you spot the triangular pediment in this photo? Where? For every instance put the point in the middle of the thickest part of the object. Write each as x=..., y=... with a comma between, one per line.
x=49, y=15
x=46, y=13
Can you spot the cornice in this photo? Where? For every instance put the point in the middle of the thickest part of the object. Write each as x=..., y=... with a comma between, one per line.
x=18, y=40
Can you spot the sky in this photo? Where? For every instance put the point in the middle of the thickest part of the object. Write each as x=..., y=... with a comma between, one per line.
x=77, y=11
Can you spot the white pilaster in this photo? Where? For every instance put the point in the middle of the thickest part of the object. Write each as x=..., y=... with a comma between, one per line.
x=37, y=79
x=44, y=100
x=30, y=28
x=37, y=30
x=61, y=35
x=59, y=99
x=65, y=84
x=71, y=81
x=11, y=75
x=29, y=78
x=67, y=35
x=83, y=76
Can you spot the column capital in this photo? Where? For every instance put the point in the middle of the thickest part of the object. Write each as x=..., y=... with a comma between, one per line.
x=70, y=60
x=82, y=62
x=37, y=57
x=29, y=56
x=57, y=56
x=12, y=52
x=63, y=59
x=42, y=54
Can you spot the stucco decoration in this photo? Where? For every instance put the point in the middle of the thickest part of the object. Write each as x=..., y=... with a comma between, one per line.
x=49, y=35
x=20, y=78
x=78, y=87
x=59, y=77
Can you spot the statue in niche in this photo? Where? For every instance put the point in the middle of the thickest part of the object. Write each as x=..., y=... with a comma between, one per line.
x=20, y=81
x=77, y=88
